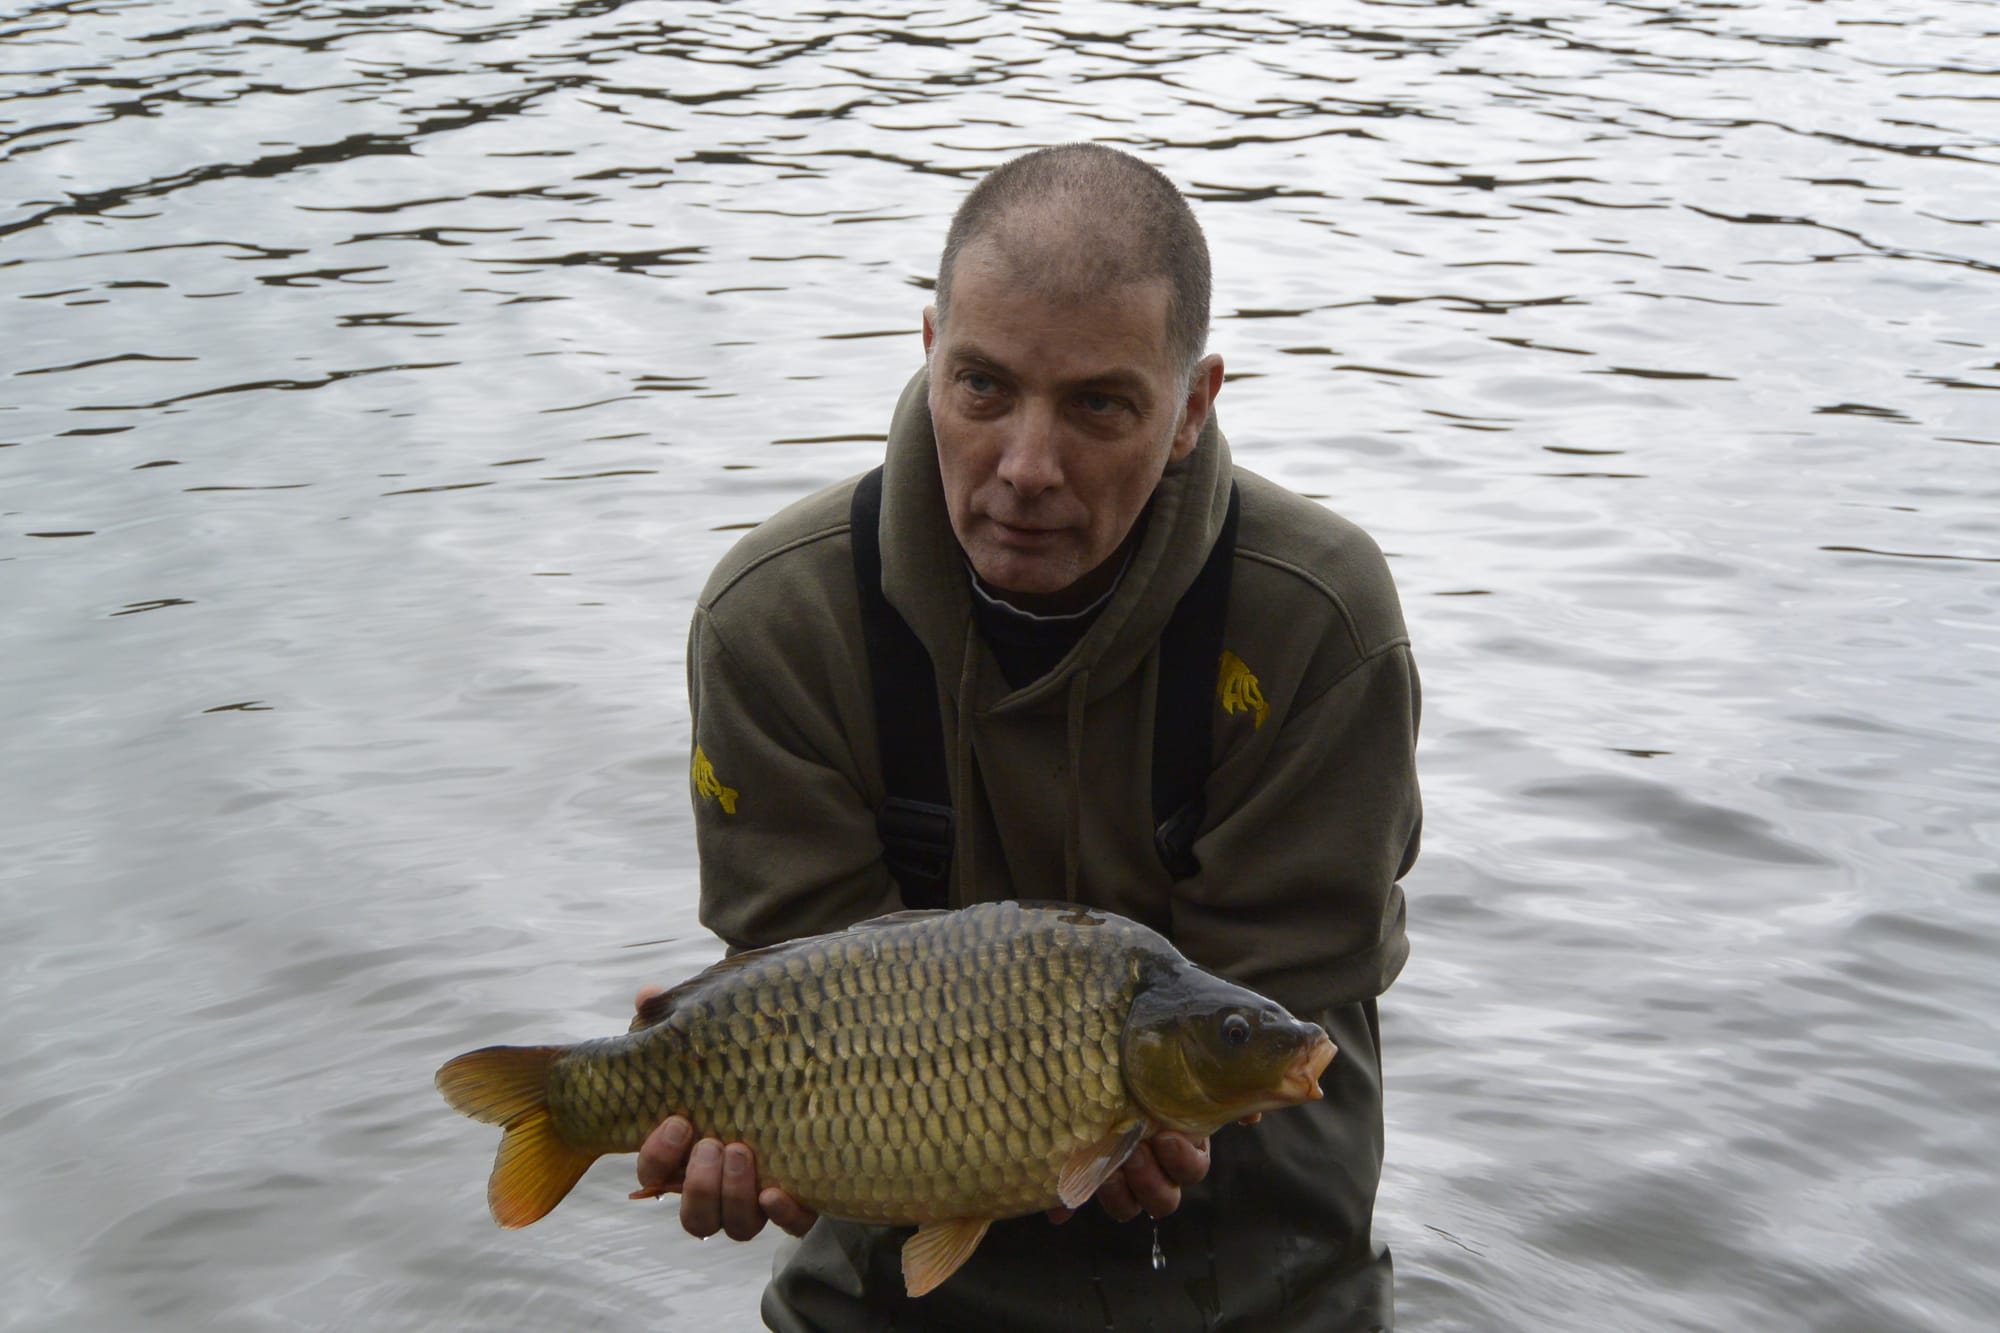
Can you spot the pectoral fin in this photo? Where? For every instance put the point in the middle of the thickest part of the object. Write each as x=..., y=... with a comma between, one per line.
x=1092, y=1164
x=938, y=1250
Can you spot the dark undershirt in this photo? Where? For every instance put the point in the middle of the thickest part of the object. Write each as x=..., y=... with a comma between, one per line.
x=1028, y=647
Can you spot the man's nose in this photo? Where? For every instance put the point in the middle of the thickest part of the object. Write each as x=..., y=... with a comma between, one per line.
x=1031, y=457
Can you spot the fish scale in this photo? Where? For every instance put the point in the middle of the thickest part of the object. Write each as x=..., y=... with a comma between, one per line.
x=940, y=1069
x=839, y=1126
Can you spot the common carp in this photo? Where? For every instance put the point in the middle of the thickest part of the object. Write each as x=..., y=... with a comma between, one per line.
x=940, y=1069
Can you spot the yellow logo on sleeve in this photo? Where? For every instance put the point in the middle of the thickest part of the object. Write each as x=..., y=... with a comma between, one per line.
x=1236, y=686
x=707, y=784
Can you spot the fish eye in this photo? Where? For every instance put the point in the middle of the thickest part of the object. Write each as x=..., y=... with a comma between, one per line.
x=1236, y=1030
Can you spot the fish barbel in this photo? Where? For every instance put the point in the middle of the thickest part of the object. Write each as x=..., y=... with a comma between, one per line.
x=940, y=1069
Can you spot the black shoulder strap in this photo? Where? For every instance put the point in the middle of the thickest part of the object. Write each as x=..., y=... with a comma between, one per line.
x=915, y=823
x=1183, y=725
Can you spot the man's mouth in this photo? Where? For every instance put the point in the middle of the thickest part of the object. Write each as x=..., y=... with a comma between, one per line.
x=1023, y=532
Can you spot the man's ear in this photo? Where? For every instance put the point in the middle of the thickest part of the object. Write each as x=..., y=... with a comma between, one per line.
x=930, y=329
x=1203, y=385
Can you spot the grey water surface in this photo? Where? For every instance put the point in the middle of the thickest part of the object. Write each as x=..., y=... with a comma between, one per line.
x=381, y=380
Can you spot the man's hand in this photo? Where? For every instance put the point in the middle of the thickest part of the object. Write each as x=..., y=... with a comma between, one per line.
x=717, y=1183
x=1150, y=1182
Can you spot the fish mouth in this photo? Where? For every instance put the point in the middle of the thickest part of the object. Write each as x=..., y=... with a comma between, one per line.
x=1301, y=1081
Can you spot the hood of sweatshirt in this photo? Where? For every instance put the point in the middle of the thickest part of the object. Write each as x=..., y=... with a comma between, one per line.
x=924, y=576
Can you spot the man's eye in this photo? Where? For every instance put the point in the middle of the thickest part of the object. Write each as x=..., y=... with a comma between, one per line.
x=1098, y=404
x=979, y=384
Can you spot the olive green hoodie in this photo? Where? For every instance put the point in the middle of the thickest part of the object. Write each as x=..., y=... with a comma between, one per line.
x=1312, y=816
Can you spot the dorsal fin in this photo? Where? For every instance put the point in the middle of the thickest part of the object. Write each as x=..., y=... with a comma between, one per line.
x=903, y=917
x=659, y=1007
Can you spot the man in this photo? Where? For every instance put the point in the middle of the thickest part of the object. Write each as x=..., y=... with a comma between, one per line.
x=1054, y=483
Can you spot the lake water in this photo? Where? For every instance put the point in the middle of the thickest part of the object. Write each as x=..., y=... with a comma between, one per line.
x=382, y=380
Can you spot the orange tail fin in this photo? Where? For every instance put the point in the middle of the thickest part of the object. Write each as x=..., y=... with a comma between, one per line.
x=508, y=1086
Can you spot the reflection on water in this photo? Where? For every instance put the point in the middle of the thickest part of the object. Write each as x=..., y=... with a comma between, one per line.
x=384, y=379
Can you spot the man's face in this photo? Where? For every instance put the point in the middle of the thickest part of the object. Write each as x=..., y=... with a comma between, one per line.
x=1055, y=416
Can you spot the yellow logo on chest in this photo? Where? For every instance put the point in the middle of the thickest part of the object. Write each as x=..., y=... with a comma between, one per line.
x=1236, y=686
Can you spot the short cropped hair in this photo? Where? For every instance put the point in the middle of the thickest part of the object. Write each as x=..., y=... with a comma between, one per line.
x=1114, y=221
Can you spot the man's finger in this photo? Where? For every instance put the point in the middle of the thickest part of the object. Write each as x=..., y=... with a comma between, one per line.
x=790, y=1215
x=1115, y=1198
x=741, y=1217
x=1150, y=1186
x=663, y=1158
x=1183, y=1160
x=646, y=993
x=701, y=1192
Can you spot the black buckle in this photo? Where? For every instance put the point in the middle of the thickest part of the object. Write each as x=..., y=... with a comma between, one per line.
x=1174, y=839
x=916, y=842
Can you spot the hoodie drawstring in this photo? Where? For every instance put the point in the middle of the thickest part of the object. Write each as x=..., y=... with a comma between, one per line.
x=961, y=780
x=1079, y=692
x=964, y=840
